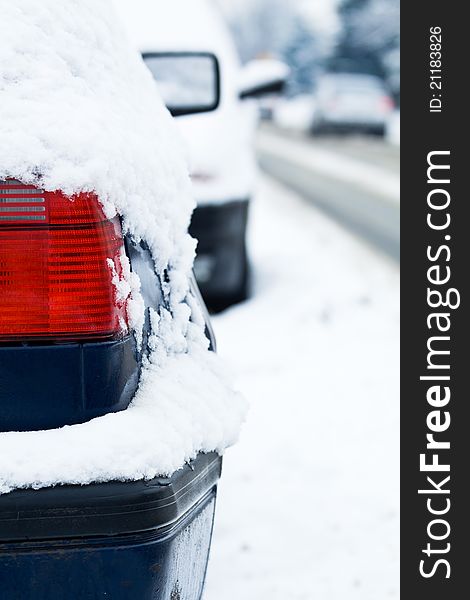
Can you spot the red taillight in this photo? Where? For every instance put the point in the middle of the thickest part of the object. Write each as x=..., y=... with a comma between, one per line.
x=386, y=104
x=55, y=277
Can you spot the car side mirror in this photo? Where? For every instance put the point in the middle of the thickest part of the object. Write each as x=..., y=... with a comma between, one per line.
x=262, y=77
x=189, y=82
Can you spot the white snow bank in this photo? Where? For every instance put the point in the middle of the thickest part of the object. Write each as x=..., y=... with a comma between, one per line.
x=295, y=113
x=79, y=111
x=393, y=128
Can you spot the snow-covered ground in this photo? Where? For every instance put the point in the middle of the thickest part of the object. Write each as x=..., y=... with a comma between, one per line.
x=393, y=129
x=308, y=504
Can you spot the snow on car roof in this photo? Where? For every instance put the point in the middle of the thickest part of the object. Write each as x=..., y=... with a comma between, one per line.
x=176, y=25
x=183, y=26
x=79, y=111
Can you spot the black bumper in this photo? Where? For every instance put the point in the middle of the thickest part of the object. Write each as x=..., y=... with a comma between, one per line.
x=44, y=387
x=106, y=509
x=121, y=541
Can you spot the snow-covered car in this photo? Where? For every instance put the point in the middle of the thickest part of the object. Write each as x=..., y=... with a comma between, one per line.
x=114, y=409
x=189, y=50
x=351, y=102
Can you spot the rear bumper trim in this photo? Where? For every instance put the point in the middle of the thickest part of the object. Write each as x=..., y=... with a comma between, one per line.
x=115, y=508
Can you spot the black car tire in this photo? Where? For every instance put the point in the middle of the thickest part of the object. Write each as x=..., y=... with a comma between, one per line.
x=221, y=302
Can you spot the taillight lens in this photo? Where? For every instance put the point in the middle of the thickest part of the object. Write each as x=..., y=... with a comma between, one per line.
x=386, y=104
x=55, y=277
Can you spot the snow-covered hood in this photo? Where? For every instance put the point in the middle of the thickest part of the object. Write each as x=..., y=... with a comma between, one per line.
x=79, y=112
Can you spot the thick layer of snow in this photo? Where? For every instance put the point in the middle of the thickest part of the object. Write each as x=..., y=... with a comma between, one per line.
x=79, y=111
x=308, y=504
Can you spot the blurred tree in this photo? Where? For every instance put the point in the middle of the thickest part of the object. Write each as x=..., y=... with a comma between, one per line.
x=302, y=53
x=282, y=29
x=370, y=39
x=262, y=28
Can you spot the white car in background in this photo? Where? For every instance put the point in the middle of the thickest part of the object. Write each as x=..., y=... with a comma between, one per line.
x=351, y=102
x=189, y=50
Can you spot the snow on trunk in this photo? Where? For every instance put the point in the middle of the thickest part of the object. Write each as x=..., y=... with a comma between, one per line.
x=79, y=111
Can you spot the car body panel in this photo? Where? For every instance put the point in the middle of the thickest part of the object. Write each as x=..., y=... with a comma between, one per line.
x=44, y=387
x=145, y=540
x=220, y=149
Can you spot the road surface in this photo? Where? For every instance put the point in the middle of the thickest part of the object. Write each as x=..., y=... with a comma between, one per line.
x=354, y=180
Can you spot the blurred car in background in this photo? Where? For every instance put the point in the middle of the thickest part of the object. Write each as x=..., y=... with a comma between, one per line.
x=296, y=113
x=350, y=102
x=189, y=50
